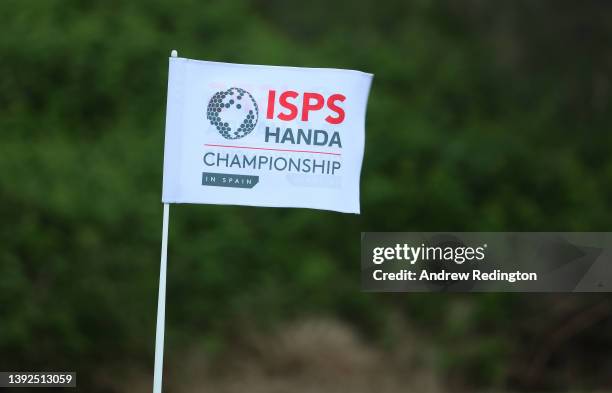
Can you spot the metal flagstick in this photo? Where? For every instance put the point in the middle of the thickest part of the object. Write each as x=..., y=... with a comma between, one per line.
x=161, y=306
x=161, y=300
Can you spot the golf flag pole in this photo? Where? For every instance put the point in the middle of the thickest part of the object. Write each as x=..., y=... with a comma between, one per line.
x=161, y=300
x=256, y=135
x=161, y=306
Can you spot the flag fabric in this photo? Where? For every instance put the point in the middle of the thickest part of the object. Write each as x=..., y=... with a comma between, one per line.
x=257, y=135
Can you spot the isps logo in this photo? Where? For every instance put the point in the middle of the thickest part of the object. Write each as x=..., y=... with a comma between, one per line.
x=234, y=112
x=294, y=104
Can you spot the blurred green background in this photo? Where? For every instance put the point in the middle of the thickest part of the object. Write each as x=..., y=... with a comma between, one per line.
x=483, y=116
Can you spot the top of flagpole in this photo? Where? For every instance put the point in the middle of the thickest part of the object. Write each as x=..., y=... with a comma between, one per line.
x=174, y=53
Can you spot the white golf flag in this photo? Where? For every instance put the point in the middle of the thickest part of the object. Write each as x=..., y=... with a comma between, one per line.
x=264, y=135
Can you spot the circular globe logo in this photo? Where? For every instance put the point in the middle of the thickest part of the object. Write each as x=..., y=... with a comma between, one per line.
x=233, y=112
